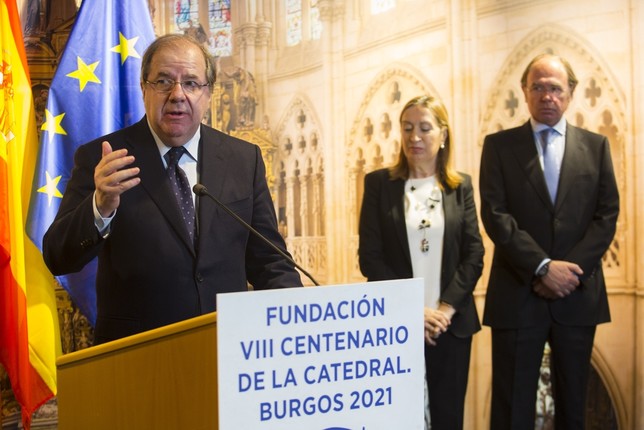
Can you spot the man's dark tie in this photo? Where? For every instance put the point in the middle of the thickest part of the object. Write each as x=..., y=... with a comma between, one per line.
x=550, y=165
x=181, y=188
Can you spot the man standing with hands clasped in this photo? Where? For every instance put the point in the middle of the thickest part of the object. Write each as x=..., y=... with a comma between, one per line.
x=163, y=255
x=549, y=202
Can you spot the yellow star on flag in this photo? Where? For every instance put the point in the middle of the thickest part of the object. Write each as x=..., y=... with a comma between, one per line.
x=52, y=124
x=51, y=188
x=84, y=73
x=126, y=47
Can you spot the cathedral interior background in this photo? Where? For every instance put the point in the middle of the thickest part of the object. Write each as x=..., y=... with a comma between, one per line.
x=319, y=84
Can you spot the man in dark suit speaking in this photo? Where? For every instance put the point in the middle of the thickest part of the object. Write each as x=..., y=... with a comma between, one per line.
x=549, y=202
x=164, y=254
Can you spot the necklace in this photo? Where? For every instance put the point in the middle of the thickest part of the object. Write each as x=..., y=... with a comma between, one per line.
x=425, y=207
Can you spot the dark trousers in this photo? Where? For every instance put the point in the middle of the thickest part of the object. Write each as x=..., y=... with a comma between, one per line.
x=447, y=366
x=516, y=363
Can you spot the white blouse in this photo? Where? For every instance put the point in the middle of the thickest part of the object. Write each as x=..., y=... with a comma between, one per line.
x=425, y=220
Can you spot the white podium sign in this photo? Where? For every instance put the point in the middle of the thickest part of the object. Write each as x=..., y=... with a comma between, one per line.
x=344, y=357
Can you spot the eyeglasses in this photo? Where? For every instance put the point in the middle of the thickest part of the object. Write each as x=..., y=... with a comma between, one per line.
x=167, y=85
x=555, y=90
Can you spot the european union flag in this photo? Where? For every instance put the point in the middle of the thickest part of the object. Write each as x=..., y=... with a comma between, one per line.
x=95, y=91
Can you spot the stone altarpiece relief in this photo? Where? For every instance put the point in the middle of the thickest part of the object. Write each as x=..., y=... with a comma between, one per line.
x=597, y=105
x=233, y=110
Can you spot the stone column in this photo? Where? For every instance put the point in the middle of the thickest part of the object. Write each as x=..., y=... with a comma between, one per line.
x=261, y=67
x=290, y=206
x=637, y=46
x=306, y=21
x=318, y=221
x=464, y=110
x=304, y=205
x=333, y=120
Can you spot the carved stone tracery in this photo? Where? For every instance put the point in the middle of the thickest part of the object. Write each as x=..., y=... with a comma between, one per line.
x=301, y=211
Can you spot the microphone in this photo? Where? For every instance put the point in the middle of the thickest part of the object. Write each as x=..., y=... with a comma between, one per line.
x=201, y=190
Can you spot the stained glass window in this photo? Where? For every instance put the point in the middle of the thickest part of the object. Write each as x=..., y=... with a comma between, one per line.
x=221, y=32
x=296, y=12
x=316, y=24
x=293, y=22
x=218, y=34
x=186, y=14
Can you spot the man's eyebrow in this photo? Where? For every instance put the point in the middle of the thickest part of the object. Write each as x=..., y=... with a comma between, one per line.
x=192, y=76
x=189, y=76
x=163, y=74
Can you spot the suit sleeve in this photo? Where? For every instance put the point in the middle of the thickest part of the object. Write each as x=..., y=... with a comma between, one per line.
x=588, y=251
x=515, y=244
x=72, y=240
x=374, y=264
x=458, y=292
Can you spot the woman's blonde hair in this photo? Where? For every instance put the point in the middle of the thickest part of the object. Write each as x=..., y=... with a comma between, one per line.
x=445, y=174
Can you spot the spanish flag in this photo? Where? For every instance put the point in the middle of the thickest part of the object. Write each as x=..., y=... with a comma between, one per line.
x=29, y=335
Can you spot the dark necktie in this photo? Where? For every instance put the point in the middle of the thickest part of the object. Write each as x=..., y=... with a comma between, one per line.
x=550, y=165
x=181, y=188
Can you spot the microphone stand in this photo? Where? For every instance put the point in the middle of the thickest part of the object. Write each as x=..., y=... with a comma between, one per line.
x=201, y=190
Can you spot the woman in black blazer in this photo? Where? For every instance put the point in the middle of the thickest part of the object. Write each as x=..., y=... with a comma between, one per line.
x=418, y=219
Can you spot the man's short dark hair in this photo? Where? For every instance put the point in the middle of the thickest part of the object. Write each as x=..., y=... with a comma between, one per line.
x=176, y=39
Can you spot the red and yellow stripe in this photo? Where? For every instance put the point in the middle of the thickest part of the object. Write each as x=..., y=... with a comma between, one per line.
x=29, y=336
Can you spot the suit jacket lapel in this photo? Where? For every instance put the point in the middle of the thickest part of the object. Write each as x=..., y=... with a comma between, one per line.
x=396, y=191
x=154, y=178
x=526, y=154
x=212, y=165
x=212, y=174
x=452, y=222
x=574, y=151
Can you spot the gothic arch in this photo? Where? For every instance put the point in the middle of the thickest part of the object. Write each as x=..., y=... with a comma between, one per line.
x=299, y=126
x=598, y=105
x=609, y=380
x=381, y=104
x=374, y=137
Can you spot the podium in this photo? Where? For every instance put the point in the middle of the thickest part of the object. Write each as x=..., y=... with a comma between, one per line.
x=164, y=378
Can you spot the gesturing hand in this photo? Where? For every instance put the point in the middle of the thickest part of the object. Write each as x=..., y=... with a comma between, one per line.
x=112, y=178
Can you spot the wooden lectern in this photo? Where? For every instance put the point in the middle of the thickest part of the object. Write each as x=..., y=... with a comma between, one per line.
x=160, y=379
